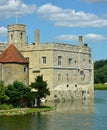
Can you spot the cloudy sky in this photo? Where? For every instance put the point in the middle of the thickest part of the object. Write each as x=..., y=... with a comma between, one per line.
x=59, y=21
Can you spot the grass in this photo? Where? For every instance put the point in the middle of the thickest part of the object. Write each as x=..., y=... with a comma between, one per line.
x=100, y=86
x=25, y=110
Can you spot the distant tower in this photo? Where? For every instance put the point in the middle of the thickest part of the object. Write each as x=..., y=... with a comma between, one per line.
x=80, y=41
x=37, y=37
x=17, y=34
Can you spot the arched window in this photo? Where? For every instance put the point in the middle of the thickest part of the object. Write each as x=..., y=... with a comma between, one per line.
x=21, y=35
x=59, y=60
x=69, y=61
x=11, y=36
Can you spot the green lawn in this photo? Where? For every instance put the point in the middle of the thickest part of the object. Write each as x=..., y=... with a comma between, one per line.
x=100, y=86
x=25, y=110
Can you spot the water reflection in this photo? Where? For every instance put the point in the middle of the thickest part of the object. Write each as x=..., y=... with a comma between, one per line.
x=74, y=107
x=76, y=115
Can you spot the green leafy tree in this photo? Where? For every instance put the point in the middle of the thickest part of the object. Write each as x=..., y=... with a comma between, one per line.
x=18, y=94
x=41, y=89
x=3, y=96
x=100, y=71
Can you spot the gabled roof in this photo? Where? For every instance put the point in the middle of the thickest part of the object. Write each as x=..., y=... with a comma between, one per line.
x=12, y=55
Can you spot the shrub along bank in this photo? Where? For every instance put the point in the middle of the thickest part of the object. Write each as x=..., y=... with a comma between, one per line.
x=100, y=86
x=18, y=95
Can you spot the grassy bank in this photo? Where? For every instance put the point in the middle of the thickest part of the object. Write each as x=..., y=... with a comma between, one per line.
x=100, y=86
x=25, y=110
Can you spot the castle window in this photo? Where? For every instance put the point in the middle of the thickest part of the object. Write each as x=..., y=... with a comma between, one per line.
x=21, y=35
x=44, y=60
x=25, y=68
x=89, y=60
x=75, y=61
x=59, y=60
x=69, y=61
x=89, y=55
x=67, y=77
x=11, y=36
x=59, y=77
x=81, y=72
x=82, y=75
x=27, y=58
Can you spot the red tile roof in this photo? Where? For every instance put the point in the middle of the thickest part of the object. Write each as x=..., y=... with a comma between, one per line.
x=12, y=55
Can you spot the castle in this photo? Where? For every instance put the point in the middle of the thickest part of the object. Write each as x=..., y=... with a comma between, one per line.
x=68, y=69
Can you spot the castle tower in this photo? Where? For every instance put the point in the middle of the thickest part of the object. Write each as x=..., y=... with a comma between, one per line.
x=37, y=37
x=17, y=34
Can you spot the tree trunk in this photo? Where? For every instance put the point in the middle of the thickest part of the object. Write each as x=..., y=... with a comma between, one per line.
x=38, y=102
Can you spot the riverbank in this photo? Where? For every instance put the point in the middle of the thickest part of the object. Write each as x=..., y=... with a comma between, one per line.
x=100, y=86
x=22, y=111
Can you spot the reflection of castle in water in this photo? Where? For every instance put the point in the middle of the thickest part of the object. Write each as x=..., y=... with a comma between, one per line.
x=75, y=115
x=75, y=107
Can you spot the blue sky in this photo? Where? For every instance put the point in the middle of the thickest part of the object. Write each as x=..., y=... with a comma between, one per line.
x=59, y=21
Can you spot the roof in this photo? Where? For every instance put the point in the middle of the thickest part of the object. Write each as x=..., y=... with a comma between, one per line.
x=12, y=55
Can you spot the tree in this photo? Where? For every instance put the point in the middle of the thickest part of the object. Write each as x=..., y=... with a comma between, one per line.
x=41, y=89
x=3, y=96
x=18, y=94
x=100, y=71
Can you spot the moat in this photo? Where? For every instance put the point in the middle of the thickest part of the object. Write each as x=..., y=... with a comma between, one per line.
x=78, y=115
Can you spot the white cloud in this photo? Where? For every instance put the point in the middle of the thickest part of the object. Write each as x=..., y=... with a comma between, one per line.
x=69, y=17
x=93, y=38
x=66, y=37
x=3, y=31
x=8, y=8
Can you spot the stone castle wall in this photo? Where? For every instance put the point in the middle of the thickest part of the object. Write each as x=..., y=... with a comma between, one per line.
x=11, y=72
x=68, y=69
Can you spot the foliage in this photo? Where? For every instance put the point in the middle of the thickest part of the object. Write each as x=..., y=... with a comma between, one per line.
x=100, y=71
x=3, y=96
x=18, y=93
x=100, y=86
x=6, y=106
x=41, y=86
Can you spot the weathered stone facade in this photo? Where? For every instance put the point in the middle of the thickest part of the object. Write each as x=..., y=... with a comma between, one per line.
x=68, y=69
x=12, y=72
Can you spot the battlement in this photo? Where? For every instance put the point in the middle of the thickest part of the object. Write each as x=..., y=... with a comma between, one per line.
x=16, y=27
x=59, y=46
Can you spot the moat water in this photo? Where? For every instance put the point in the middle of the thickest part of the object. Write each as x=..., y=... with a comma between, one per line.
x=78, y=115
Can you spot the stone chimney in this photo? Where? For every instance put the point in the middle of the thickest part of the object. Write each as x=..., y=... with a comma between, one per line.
x=37, y=37
x=80, y=41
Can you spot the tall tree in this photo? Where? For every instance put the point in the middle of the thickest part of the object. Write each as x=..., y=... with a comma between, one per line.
x=41, y=89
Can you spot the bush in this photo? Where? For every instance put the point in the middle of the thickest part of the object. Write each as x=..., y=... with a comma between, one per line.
x=6, y=106
x=100, y=86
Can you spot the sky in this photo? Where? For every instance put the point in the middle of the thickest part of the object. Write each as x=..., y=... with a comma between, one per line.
x=59, y=21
